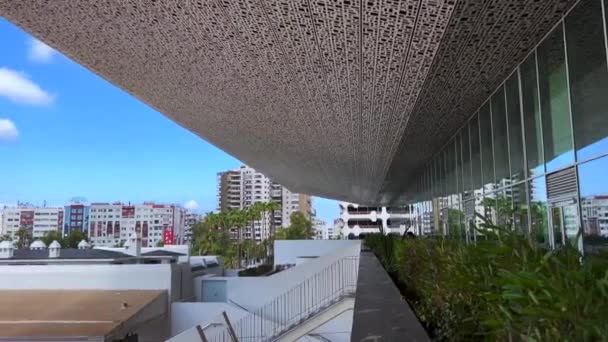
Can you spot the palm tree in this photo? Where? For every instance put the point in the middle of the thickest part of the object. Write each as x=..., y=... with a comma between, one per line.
x=23, y=237
x=271, y=207
x=238, y=219
x=247, y=250
x=204, y=233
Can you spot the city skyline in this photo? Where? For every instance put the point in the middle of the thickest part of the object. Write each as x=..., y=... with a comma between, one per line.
x=65, y=133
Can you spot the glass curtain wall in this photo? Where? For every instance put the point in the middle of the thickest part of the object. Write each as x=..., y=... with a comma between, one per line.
x=549, y=118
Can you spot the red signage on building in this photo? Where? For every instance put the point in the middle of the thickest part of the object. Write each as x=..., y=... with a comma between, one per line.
x=168, y=237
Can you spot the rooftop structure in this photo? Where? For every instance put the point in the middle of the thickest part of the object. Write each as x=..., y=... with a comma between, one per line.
x=54, y=315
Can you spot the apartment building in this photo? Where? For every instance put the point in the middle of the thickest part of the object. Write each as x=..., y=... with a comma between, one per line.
x=190, y=219
x=292, y=202
x=76, y=218
x=36, y=220
x=241, y=188
x=111, y=224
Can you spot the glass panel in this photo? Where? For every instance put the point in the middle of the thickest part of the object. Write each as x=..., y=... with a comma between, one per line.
x=466, y=165
x=532, y=123
x=441, y=175
x=475, y=153
x=499, y=135
x=538, y=210
x=489, y=205
x=504, y=206
x=468, y=209
x=516, y=148
x=588, y=78
x=458, y=170
x=520, y=207
x=558, y=226
x=450, y=168
x=428, y=220
x=487, y=162
x=554, y=101
x=478, y=216
x=594, y=204
x=571, y=224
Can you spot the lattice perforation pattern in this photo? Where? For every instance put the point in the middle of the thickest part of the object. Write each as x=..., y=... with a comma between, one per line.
x=342, y=99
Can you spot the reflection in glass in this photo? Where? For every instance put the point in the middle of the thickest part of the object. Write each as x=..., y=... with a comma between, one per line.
x=450, y=168
x=468, y=208
x=499, y=134
x=532, y=120
x=467, y=187
x=444, y=188
x=479, y=216
x=458, y=172
x=554, y=101
x=487, y=162
x=475, y=153
x=571, y=224
x=588, y=78
x=503, y=209
x=594, y=204
x=538, y=210
x=516, y=148
x=558, y=226
x=436, y=196
x=520, y=207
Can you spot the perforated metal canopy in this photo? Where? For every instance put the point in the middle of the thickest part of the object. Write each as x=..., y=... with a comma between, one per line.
x=341, y=99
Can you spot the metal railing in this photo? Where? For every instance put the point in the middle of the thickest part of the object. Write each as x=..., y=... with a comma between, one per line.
x=303, y=301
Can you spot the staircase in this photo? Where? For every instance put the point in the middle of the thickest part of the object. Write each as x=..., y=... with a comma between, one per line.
x=299, y=310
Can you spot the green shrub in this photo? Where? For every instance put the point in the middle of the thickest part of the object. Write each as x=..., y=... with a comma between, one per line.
x=505, y=287
x=256, y=271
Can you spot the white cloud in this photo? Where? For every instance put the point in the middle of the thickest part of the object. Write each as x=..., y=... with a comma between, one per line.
x=18, y=88
x=191, y=205
x=8, y=130
x=40, y=52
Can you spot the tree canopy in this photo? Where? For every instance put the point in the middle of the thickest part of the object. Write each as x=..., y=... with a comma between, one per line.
x=223, y=234
x=300, y=228
x=70, y=241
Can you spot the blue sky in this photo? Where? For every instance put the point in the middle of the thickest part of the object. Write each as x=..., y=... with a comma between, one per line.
x=65, y=132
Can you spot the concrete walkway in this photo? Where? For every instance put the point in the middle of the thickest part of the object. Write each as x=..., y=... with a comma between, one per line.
x=381, y=314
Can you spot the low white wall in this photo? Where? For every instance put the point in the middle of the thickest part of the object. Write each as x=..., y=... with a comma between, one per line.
x=286, y=252
x=187, y=315
x=253, y=292
x=171, y=277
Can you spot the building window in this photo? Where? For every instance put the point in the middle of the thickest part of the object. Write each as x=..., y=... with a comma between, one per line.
x=499, y=134
x=487, y=159
x=594, y=204
x=531, y=114
x=555, y=101
x=516, y=148
x=538, y=210
x=475, y=154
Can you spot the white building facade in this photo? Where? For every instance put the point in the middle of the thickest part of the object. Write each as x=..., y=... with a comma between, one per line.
x=36, y=220
x=110, y=224
x=190, y=219
x=243, y=187
x=368, y=220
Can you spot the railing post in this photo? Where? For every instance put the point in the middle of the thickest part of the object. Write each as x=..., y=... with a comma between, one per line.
x=230, y=329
